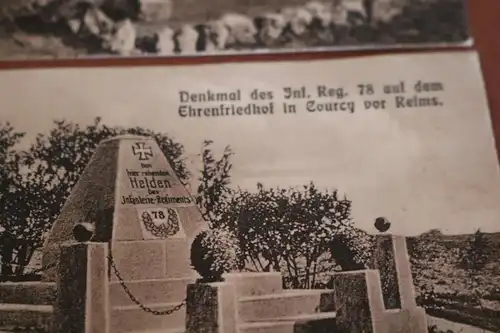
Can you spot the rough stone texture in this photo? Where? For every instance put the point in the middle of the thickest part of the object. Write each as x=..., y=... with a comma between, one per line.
x=82, y=304
x=211, y=308
x=384, y=261
x=406, y=321
x=12, y=315
x=36, y=293
x=391, y=259
x=202, y=308
x=69, y=311
x=351, y=300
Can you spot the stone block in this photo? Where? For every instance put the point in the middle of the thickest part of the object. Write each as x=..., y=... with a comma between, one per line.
x=392, y=260
x=134, y=319
x=36, y=293
x=289, y=304
x=406, y=321
x=150, y=291
x=316, y=323
x=23, y=315
x=82, y=303
x=178, y=261
x=352, y=302
x=139, y=260
x=384, y=261
x=255, y=284
x=152, y=259
x=211, y=308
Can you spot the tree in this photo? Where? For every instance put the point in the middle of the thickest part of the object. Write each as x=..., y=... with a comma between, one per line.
x=11, y=192
x=53, y=164
x=289, y=230
x=213, y=190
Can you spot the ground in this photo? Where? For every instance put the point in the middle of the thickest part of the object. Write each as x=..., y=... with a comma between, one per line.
x=449, y=291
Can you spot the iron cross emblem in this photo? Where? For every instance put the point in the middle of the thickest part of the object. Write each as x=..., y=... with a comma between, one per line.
x=142, y=151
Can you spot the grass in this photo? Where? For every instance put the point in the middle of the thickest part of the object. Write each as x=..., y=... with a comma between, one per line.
x=449, y=291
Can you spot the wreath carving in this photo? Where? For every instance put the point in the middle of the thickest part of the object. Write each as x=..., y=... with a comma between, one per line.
x=164, y=230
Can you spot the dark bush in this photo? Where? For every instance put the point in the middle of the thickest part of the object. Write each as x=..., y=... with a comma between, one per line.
x=213, y=253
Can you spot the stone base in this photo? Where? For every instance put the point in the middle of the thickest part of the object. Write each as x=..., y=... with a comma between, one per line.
x=152, y=259
x=211, y=308
x=24, y=315
x=35, y=293
x=406, y=321
x=82, y=302
x=255, y=284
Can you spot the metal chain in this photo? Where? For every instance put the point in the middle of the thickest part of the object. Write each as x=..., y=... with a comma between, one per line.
x=125, y=288
x=136, y=301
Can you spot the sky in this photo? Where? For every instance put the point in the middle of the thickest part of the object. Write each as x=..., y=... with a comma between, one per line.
x=421, y=168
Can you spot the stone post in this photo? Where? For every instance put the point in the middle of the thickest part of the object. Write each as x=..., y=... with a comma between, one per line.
x=402, y=314
x=358, y=302
x=211, y=308
x=82, y=304
x=391, y=259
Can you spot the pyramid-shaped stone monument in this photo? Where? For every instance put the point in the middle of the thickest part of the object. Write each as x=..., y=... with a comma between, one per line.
x=128, y=192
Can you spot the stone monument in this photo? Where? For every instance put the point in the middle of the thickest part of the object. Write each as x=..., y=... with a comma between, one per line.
x=257, y=303
x=122, y=242
x=117, y=260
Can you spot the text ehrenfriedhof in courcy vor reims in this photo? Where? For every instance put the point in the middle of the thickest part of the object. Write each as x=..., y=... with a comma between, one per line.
x=316, y=99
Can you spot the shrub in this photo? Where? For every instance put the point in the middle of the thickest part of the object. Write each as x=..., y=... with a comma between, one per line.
x=213, y=253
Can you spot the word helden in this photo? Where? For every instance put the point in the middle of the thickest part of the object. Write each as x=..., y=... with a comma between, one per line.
x=149, y=183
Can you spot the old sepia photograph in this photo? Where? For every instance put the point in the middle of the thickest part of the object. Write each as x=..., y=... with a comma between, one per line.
x=54, y=29
x=182, y=199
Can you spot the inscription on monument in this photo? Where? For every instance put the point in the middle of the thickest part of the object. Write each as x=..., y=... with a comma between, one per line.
x=155, y=200
x=148, y=179
x=151, y=186
x=155, y=183
x=159, y=222
x=142, y=151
